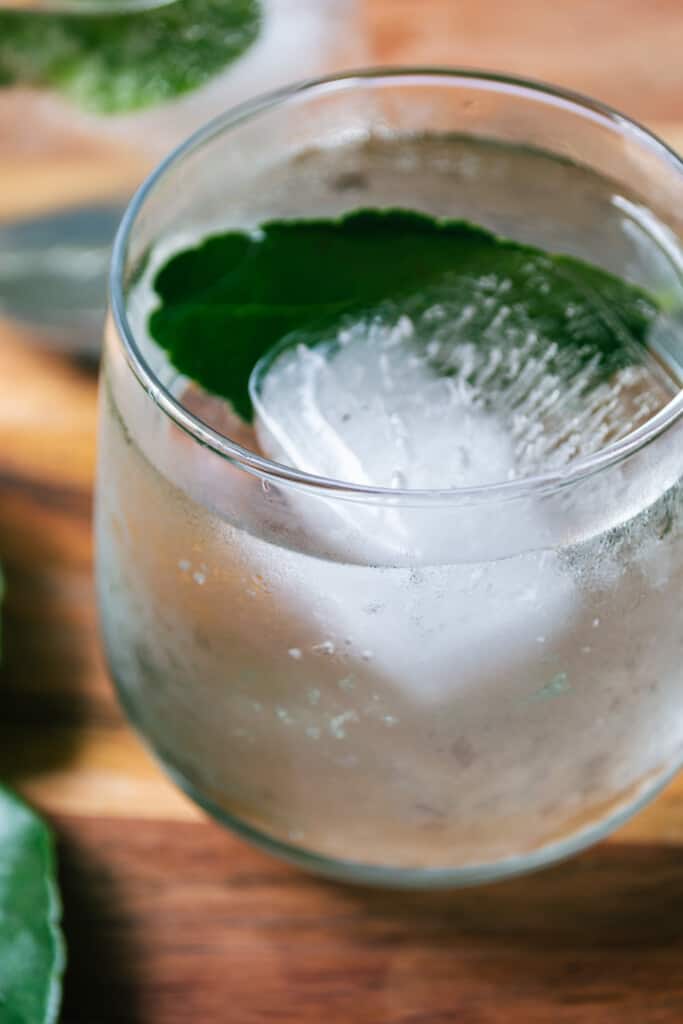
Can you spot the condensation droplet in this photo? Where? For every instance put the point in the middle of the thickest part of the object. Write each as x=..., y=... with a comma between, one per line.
x=339, y=721
x=324, y=647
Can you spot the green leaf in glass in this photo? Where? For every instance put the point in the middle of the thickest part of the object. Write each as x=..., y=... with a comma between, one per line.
x=230, y=300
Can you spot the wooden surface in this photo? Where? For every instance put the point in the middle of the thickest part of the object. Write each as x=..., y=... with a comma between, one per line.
x=170, y=919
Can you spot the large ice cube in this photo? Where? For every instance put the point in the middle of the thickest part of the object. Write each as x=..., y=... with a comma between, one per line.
x=419, y=402
x=370, y=407
x=445, y=398
x=425, y=402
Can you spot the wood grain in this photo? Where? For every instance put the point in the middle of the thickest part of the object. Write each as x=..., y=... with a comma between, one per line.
x=171, y=919
x=626, y=53
x=193, y=925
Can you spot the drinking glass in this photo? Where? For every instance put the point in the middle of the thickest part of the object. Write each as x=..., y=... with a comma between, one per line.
x=503, y=689
x=77, y=135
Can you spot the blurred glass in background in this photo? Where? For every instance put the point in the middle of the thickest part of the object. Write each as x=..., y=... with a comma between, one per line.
x=93, y=93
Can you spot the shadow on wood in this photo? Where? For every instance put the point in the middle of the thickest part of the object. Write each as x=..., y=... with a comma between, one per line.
x=595, y=933
x=101, y=981
x=228, y=933
x=51, y=670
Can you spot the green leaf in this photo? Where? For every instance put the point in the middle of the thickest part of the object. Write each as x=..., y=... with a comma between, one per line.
x=112, y=63
x=31, y=945
x=226, y=303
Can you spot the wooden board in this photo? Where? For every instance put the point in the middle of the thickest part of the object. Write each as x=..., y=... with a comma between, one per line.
x=168, y=917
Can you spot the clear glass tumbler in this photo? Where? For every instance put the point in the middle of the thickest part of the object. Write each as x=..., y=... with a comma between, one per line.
x=505, y=686
x=93, y=93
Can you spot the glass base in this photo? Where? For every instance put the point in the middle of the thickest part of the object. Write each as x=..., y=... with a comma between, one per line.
x=423, y=878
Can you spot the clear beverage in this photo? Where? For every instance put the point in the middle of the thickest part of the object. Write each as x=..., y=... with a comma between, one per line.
x=93, y=93
x=471, y=678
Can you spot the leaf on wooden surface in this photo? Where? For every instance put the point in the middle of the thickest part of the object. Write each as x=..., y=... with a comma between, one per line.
x=32, y=954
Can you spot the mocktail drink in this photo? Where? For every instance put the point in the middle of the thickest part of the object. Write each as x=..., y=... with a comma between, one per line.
x=463, y=652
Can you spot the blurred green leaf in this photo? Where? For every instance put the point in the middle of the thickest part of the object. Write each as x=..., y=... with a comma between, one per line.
x=112, y=63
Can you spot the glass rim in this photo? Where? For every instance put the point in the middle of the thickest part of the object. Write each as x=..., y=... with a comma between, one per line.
x=94, y=8
x=276, y=472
